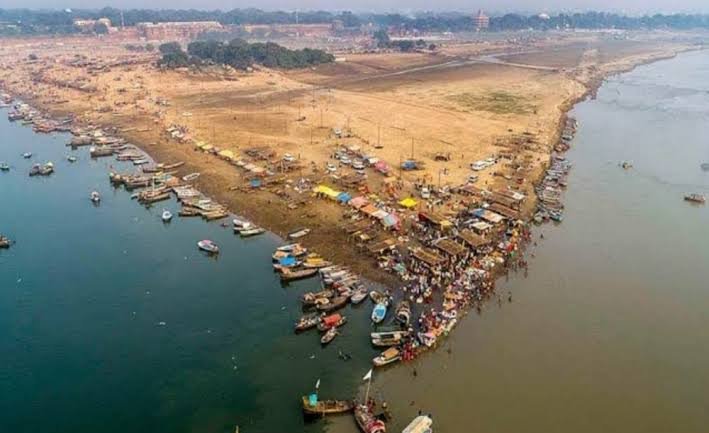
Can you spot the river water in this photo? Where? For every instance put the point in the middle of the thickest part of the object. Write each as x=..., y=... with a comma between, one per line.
x=608, y=332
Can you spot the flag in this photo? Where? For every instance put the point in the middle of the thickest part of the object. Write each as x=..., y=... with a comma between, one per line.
x=368, y=376
x=317, y=384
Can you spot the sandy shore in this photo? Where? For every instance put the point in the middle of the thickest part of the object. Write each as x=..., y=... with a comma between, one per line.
x=468, y=111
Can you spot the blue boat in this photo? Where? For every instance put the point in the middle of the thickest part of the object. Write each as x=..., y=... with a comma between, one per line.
x=379, y=312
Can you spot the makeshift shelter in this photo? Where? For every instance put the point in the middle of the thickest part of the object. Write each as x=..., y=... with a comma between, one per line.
x=408, y=202
x=227, y=154
x=326, y=191
x=391, y=221
x=359, y=202
x=369, y=210
x=488, y=216
x=450, y=247
x=379, y=214
x=472, y=239
x=428, y=257
x=344, y=197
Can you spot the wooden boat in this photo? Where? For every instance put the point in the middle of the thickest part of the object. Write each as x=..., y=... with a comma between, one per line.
x=190, y=177
x=389, y=356
x=100, y=151
x=420, y=424
x=307, y=322
x=95, y=197
x=289, y=275
x=71, y=158
x=329, y=336
x=331, y=321
x=316, y=263
x=334, y=304
x=4, y=166
x=388, y=338
x=379, y=297
x=298, y=233
x=294, y=249
x=359, y=295
x=312, y=406
x=278, y=255
x=311, y=298
x=366, y=420
x=695, y=198
x=403, y=312
x=379, y=312
x=208, y=246
x=5, y=242
x=253, y=231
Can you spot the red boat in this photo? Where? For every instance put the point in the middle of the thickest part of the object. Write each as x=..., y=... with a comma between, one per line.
x=366, y=420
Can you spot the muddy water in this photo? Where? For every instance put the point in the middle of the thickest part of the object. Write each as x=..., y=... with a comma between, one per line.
x=610, y=329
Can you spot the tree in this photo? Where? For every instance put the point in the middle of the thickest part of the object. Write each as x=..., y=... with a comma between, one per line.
x=382, y=38
x=149, y=47
x=101, y=29
x=169, y=48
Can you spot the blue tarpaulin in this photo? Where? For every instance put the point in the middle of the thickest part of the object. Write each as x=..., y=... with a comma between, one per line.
x=344, y=197
x=287, y=261
x=255, y=183
x=313, y=399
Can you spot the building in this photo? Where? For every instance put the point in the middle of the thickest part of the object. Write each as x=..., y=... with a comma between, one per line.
x=307, y=30
x=89, y=26
x=481, y=21
x=177, y=30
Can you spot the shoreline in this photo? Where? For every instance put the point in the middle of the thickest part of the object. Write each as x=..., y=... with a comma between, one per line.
x=360, y=263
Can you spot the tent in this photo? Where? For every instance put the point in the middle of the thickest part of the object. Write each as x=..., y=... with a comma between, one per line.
x=326, y=191
x=391, y=220
x=359, y=202
x=408, y=202
x=344, y=197
x=380, y=214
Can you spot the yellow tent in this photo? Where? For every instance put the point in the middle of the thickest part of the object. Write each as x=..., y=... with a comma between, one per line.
x=326, y=190
x=227, y=154
x=408, y=202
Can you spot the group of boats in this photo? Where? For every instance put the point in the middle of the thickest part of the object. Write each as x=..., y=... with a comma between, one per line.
x=246, y=229
x=549, y=206
x=365, y=418
x=42, y=169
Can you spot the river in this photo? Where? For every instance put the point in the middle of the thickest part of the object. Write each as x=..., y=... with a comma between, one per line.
x=606, y=333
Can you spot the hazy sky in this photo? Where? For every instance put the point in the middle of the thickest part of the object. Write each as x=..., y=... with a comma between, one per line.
x=626, y=6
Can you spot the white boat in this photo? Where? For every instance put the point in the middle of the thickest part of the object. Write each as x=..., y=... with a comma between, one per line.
x=298, y=233
x=140, y=161
x=208, y=246
x=95, y=197
x=390, y=355
x=27, y=155
x=190, y=177
x=166, y=216
x=359, y=295
x=253, y=231
x=240, y=224
x=420, y=424
x=71, y=158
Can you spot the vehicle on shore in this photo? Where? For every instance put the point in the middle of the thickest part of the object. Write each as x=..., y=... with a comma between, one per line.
x=208, y=246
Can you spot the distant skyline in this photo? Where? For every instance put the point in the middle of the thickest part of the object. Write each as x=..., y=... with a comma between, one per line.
x=630, y=7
